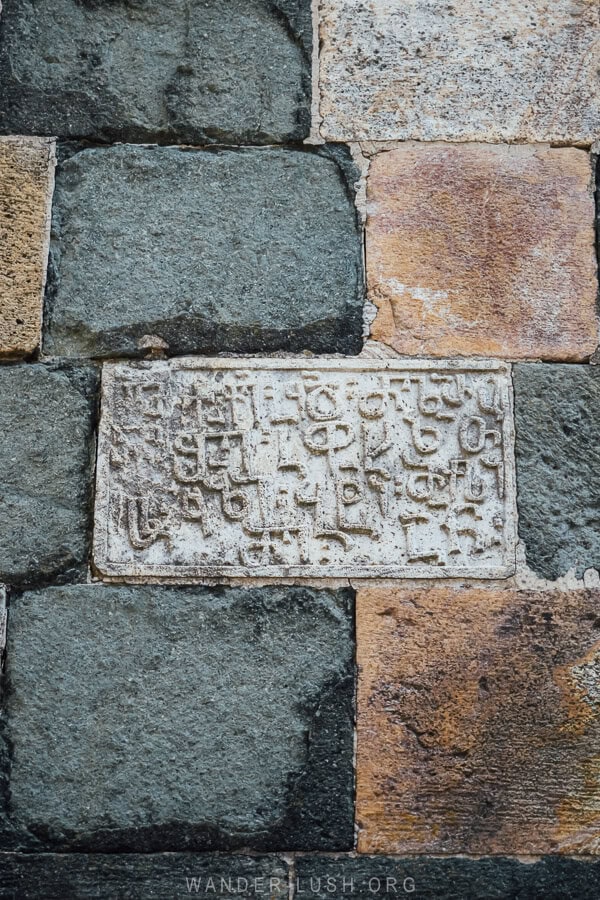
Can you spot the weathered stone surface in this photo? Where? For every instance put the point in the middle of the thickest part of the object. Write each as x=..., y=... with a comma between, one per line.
x=478, y=721
x=46, y=458
x=162, y=876
x=483, y=250
x=174, y=70
x=241, y=251
x=551, y=878
x=141, y=719
x=480, y=71
x=274, y=468
x=557, y=412
x=26, y=180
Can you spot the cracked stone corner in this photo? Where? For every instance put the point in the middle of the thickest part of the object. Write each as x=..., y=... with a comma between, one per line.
x=362, y=162
x=375, y=349
x=525, y=579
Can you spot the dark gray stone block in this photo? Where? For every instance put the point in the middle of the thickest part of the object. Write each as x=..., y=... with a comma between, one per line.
x=46, y=455
x=385, y=878
x=192, y=71
x=162, y=876
x=151, y=718
x=246, y=251
x=557, y=412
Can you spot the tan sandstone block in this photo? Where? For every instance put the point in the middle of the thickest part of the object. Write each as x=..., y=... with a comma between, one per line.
x=478, y=721
x=483, y=250
x=474, y=70
x=26, y=182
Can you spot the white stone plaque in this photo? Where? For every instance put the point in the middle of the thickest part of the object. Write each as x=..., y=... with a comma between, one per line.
x=302, y=468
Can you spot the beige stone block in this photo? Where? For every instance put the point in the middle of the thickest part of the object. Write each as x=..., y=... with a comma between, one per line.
x=484, y=250
x=26, y=183
x=478, y=721
x=467, y=71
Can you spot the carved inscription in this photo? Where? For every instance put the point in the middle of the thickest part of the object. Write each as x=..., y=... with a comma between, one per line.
x=331, y=468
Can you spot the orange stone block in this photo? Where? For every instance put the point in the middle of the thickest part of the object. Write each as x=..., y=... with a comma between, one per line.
x=483, y=250
x=26, y=184
x=478, y=721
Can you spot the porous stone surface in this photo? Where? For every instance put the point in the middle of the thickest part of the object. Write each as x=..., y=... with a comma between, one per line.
x=47, y=450
x=162, y=876
x=149, y=718
x=550, y=878
x=143, y=70
x=483, y=250
x=242, y=251
x=275, y=468
x=557, y=413
x=26, y=180
x=504, y=71
x=478, y=721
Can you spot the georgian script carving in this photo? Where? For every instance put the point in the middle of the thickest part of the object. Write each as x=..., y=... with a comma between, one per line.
x=295, y=468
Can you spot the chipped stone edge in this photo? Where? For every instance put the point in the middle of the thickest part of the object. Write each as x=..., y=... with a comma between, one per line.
x=363, y=164
x=3, y=641
x=47, y=229
x=314, y=136
x=341, y=576
x=3, y=622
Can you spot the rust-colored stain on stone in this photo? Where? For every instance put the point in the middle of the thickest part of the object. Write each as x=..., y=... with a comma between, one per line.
x=26, y=182
x=478, y=721
x=483, y=250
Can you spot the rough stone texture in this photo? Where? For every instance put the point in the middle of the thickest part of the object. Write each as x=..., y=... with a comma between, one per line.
x=241, y=251
x=551, y=878
x=272, y=468
x=166, y=70
x=26, y=181
x=46, y=457
x=557, y=412
x=483, y=250
x=162, y=876
x=503, y=71
x=478, y=721
x=141, y=719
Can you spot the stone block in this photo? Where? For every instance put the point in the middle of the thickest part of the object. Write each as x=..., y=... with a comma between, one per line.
x=47, y=417
x=274, y=468
x=381, y=878
x=137, y=876
x=478, y=721
x=143, y=70
x=557, y=413
x=469, y=71
x=233, y=250
x=26, y=182
x=483, y=250
x=151, y=719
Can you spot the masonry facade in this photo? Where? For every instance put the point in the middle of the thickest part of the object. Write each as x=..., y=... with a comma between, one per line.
x=300, y=455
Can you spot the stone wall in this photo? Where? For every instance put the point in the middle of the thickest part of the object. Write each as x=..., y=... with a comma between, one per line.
x=300, y=456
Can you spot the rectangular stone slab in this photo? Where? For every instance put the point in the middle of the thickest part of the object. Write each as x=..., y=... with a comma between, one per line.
x=26, y=184
x=474, y=70
x=137, y=876
x=148, y=719
x=272, y=468
x=431, y=878
x=478, y=728
x=483, y=250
